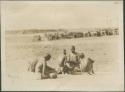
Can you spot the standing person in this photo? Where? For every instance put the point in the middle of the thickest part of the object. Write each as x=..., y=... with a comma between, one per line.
x=42, y=67
x=73, y=59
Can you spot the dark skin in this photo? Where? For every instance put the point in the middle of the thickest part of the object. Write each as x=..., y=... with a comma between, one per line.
x=64, y=61
x=74, y=52
x=72, y=64
x=73, y=49
x=44, y=64
x=64, y=52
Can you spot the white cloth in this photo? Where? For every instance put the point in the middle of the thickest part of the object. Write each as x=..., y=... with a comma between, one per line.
x=72, y=57
x=83, y=63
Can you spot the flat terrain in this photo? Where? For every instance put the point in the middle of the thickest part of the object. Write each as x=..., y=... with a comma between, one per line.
x=105, y=51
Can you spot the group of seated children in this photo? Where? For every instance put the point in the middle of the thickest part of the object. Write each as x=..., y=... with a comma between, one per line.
x=68, y=64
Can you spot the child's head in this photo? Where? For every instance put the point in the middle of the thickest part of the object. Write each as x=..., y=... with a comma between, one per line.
x=47, y=57
x=73, y=49
x=82, y=55
x=64, y=51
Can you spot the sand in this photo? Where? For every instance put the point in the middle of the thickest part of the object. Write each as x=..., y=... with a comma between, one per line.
x=104, y=50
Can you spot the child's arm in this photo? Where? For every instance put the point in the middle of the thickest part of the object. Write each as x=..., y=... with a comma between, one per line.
x=44, y=67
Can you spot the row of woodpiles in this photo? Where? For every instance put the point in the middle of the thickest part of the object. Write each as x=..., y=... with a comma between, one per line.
x=70, y=35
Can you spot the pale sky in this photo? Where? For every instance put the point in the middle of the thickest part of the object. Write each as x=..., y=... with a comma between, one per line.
x=18, y=15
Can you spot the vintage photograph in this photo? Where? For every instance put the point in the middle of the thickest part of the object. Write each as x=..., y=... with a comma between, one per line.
x=62, y=45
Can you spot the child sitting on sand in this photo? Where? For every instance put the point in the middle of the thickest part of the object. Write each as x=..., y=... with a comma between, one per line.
x=86, y=64
x=40, y=67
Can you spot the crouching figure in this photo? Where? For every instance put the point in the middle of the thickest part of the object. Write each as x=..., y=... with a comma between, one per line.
x=86, y=64
x=40, y=67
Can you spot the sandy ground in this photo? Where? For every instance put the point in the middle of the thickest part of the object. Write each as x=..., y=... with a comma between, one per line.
x=105, y=51
x=84, y=82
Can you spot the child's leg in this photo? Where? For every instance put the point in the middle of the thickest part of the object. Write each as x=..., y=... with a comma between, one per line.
x=81, y=68
x=62, y=70
x=90, y=69
x=93, y=71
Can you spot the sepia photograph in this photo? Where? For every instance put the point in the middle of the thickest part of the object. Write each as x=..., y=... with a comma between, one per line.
x=62, y=45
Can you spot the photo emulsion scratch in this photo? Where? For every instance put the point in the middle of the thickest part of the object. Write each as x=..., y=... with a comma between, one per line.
x=62, y=46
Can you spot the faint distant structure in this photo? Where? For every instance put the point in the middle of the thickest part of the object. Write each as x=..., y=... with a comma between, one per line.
x=57, y=35
x=37, y=38
x=116, y=31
